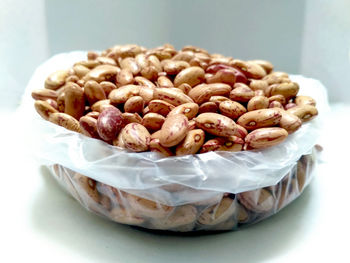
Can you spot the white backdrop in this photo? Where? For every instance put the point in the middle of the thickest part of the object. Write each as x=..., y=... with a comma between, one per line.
x=310, y=37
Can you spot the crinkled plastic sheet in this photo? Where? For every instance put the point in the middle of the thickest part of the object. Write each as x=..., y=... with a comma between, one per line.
x=148, y=174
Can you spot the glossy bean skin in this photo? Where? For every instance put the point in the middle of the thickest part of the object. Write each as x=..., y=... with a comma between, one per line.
x=44, y=109
x=131, y=117
x=56, y=79
x=102, y=73
x=153, y=121
x=88, y=126
x=134, y=104
x=94, y=92
x=174, y=130
x=191, y=75
x=208, y=107
x=241, y=93
x=74, y=101
x=161, y=107
x=191, y=143
x=155, y=146
x=289, y=122
x=304, y=112
x=65, y=120
x=171, y=96
x=260, y=118
x=109, y=123
x=44, y=94
x=216, y=124
x=257, y=103
x=136, y=137
x=265, y=137
x=232, y=109
x=190, y=110
x=305, y=100
x=202, y=93
x=122, y=94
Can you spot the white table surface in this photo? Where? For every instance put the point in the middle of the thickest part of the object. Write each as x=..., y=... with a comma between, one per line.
x=40, y=222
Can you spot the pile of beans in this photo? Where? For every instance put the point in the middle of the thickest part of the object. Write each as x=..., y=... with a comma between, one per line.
x=174, y=102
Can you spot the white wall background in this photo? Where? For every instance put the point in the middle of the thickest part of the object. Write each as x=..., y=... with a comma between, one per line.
x=310, y=37
x=326, y=46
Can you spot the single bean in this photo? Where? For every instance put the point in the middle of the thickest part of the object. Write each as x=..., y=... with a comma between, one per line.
x=134, y=104
x=74, y=100
x=144, y=82
x=190, y=110
x=164, y=82
x=257, y=84
x=88, y=126
x=160, y=106
x=203, y=92
x=250, y=69
x=226, y=76
x=260, y=118
x=106, y=61
x=136, y=137
x=56, y=79
x=80, y=70
x=44, y=94
x=147, y=93
x=155, y=146
x=280, y=98
x=149, y=73
x=208, y=107
x=304, y=112
x=148, y=208
x=241, y=93
x=265, y=137
x=131, y=65
x=184, y=56
x=192, y=76
x=153, y=121
x=131, y=117
x=304, y=100
x=44, y=109
x=288, y=90
x=173, y=97
x=191, y=143
x=289, y=121
x=257, y=103
x=218, y=99
x=122, y=94
x=276, y=104
x=107, y=87
x=216, y=124
x=93, y=92
x=174, y=130
x=97, y=106
x=241, y=132
x=266, y=65
x=232, y=109
x=172, y=67
x=109, y=123
x=88, y=186
x=125, y=77
x=102, y=73
x=65, y=120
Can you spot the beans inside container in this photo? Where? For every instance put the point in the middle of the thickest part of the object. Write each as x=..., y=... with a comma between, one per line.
x=175, y=102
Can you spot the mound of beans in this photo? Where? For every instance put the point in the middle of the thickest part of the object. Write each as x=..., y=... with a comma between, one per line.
x=174, y=102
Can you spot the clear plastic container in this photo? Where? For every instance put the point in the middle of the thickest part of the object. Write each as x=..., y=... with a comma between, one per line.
x=210, y=191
